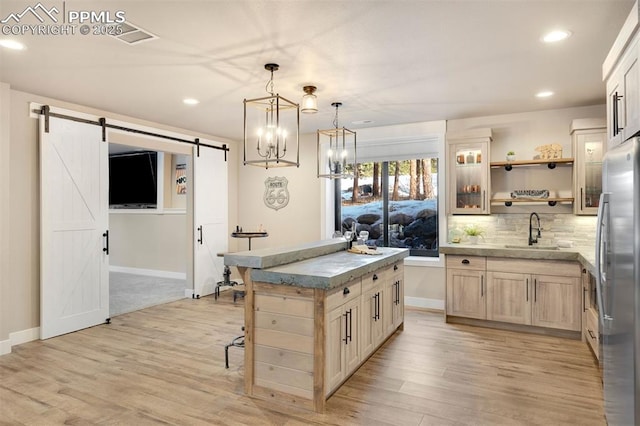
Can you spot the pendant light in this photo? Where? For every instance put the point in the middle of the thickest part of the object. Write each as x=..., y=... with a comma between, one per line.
x=336, y=150
x=309, y=104
x=271, y=129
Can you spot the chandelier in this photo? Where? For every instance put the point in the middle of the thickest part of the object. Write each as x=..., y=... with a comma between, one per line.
x=336, y=150
x=271, y=129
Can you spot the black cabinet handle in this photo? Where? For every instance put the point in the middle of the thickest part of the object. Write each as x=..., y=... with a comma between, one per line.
x=375, y=307
x=346, y=291
x=200, y=233
x=584, y=300
x=395, y=267
x=527, y=292
x=346, y=328
x=350, y=322
x=481, y=285
x=591, y=334
x=535, y=290
x=106, y=237
x=378, y=306
x=375, y=277
x=465, y=261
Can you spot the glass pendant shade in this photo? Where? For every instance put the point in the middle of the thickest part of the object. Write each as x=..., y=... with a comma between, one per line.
x=271, y=129
x=336, y=151
x=309, y=104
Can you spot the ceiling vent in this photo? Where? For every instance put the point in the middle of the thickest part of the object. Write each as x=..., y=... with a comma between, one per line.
x=132, y=34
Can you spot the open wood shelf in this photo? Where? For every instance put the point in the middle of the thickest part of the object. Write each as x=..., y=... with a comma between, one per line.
x=551, y=163
x=551, y=201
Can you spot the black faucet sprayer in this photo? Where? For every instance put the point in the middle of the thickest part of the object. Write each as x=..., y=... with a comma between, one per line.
x=539, y=228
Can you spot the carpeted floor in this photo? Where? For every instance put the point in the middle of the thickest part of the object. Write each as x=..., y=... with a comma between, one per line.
x=129, y=292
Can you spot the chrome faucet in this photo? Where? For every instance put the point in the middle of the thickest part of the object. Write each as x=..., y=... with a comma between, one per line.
x=538, y=228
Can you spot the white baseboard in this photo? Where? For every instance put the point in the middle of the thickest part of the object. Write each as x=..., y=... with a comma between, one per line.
x=149, y=272
x=18, y=338
x=188, y=293
x=421, y=302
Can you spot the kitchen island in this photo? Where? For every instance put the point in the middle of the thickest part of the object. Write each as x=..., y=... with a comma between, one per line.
x=313, y=314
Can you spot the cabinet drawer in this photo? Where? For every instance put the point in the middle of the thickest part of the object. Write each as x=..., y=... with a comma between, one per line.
x=476, y=263
x=374, y=279
x=343, y=294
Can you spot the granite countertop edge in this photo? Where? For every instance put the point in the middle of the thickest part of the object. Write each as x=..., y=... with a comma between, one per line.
x=329, y=281
x=584, y=255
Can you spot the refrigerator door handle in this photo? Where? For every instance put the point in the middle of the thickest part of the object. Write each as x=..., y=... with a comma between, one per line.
x=603, y=208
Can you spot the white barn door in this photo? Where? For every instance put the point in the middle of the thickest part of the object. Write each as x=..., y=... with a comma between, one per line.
x=210, y=207
x=74, y=185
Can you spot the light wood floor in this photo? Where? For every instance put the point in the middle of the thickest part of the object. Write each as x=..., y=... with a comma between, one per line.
x=165, y=365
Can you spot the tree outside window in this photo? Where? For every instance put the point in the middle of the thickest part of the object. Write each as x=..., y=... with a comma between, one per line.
x=407, y=212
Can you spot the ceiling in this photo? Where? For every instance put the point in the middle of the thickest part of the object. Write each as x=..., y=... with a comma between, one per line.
x=388, y=61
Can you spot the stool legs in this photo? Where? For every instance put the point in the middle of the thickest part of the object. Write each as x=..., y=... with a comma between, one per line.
x=238, y=342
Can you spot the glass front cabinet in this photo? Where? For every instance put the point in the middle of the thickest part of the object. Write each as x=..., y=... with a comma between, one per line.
x=468, y=171
x=589, y=141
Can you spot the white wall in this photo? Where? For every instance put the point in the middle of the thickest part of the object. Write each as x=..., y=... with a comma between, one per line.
x=149, y=241
x=299, y=221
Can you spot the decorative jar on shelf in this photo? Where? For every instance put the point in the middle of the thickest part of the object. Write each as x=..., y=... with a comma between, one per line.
x=511, y=156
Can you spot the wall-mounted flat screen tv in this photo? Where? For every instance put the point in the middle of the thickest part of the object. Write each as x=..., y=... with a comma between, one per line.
x=133, y=180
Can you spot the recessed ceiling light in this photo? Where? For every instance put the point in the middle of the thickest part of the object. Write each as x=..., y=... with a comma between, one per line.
x=190, y=101
x=556, y=35
x=544, y=94
x=12, y=44
x=362, y=122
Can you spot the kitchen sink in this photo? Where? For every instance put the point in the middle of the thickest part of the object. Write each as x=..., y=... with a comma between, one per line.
x=530, y=247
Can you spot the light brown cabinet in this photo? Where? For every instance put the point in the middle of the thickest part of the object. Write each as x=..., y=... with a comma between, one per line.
x=359, y=319
x=466, y=287
x=508, y=297
x=468, y=178
x=515, y=291
x=373, y=302
x=590, y=323
x=393, y=302
x=518, y=293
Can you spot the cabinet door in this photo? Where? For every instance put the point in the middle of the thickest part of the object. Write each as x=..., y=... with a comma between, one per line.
x=368, y=320
x=615, y=110
x=397, y=307
x=508, y=296
x=468, y=176
x=335, y=369
x=465, y=293
x=631, y=100
x=589, y=150
x=351, y=347
x=556, y=302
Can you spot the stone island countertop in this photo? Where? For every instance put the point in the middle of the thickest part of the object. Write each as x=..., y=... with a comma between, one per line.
x=323, y=264
x=585, y=255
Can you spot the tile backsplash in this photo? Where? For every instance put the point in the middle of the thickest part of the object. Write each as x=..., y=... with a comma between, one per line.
x=514, y=228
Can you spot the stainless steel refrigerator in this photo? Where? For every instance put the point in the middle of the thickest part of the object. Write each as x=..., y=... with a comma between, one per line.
x=618, y=276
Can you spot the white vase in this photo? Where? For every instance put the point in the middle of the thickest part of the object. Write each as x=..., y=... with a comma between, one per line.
x=511, y=158
x=473, y=239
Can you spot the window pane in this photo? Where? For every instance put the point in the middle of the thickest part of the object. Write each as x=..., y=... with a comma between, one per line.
x=412, y=201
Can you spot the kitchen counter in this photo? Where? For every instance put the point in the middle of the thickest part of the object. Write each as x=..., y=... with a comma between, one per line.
x=323, y=265
x=584, y=255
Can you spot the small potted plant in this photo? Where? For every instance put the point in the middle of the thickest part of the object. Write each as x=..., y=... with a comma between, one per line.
x=473, y=233
x=511, y=156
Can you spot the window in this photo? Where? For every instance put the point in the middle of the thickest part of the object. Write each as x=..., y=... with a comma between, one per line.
x=396, y=202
